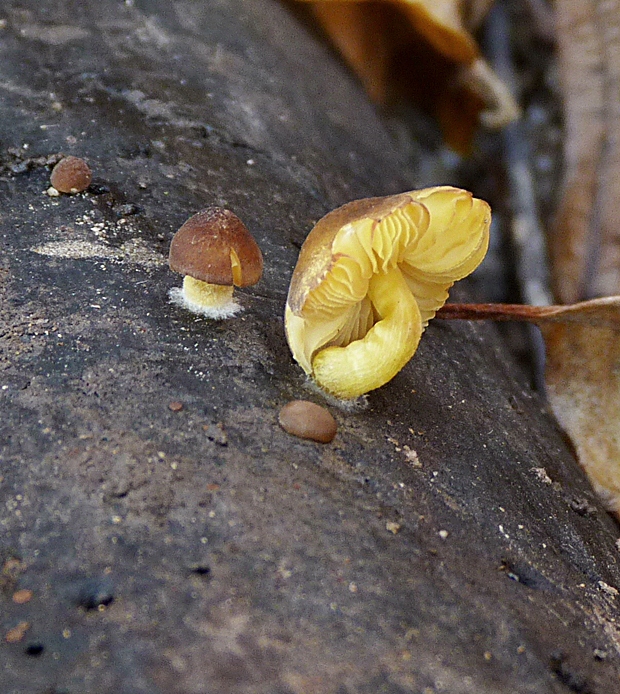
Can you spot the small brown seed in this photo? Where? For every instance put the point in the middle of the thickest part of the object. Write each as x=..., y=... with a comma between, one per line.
x=175, y=406
x=16, y=634
x=22, y=596
x=308, y=421
x=71, y=175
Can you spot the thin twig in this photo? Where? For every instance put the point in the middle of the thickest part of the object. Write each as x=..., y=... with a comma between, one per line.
x=496, y=312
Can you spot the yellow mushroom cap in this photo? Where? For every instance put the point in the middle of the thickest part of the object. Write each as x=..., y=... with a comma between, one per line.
x=371, y=275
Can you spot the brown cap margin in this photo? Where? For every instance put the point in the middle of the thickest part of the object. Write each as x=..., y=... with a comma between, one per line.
x=208, y=244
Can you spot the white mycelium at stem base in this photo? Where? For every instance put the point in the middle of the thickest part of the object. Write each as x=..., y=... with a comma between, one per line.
x=370, y=276
x=206, y=299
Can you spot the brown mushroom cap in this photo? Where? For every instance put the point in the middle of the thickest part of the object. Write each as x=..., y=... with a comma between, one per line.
x=215, y=246
x=71, y=175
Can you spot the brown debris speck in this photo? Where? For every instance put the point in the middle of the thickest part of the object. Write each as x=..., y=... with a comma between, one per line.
x=12, y=567
x=175, y=406
x=16, y=634
x=22, y=596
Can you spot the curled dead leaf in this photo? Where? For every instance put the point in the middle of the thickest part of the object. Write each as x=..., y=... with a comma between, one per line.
x=500, y=108
x=583, y=386
x=442, y=22
x=431, y=57
x=359, y=30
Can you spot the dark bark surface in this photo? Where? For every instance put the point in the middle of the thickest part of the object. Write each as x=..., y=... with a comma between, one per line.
x=446, y=541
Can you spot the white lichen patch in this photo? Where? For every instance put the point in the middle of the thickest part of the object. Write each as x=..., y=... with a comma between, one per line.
x=606, y=588
x=75, y=249
x=133, y=251
x=57, y=35
x=137, y=251
x=411, y=457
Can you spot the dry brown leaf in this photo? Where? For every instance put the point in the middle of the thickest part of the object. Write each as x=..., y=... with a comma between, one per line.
x=585, y=244
x=583, y=386
x=442, y=22
x=360, y=32
x=431, y=57
x=582, y=375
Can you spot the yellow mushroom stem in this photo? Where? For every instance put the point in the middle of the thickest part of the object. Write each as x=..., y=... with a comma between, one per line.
x=370, y=362
x=205, y=294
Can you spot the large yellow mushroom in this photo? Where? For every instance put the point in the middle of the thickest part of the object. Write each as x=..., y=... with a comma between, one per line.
x=370, y=276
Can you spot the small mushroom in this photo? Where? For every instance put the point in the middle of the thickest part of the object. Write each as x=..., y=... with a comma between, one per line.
x=371, y=275
x=215, y=251
x=307, y=420
x=71, y=175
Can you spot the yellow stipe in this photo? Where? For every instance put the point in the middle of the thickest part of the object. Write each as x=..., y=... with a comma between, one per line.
x=366, y=364
x=206, y=295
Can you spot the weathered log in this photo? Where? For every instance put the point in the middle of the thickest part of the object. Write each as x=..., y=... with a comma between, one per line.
x=445, y=541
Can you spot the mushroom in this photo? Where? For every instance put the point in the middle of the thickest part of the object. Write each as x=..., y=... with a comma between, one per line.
x=215, y=252
x=370, y=276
